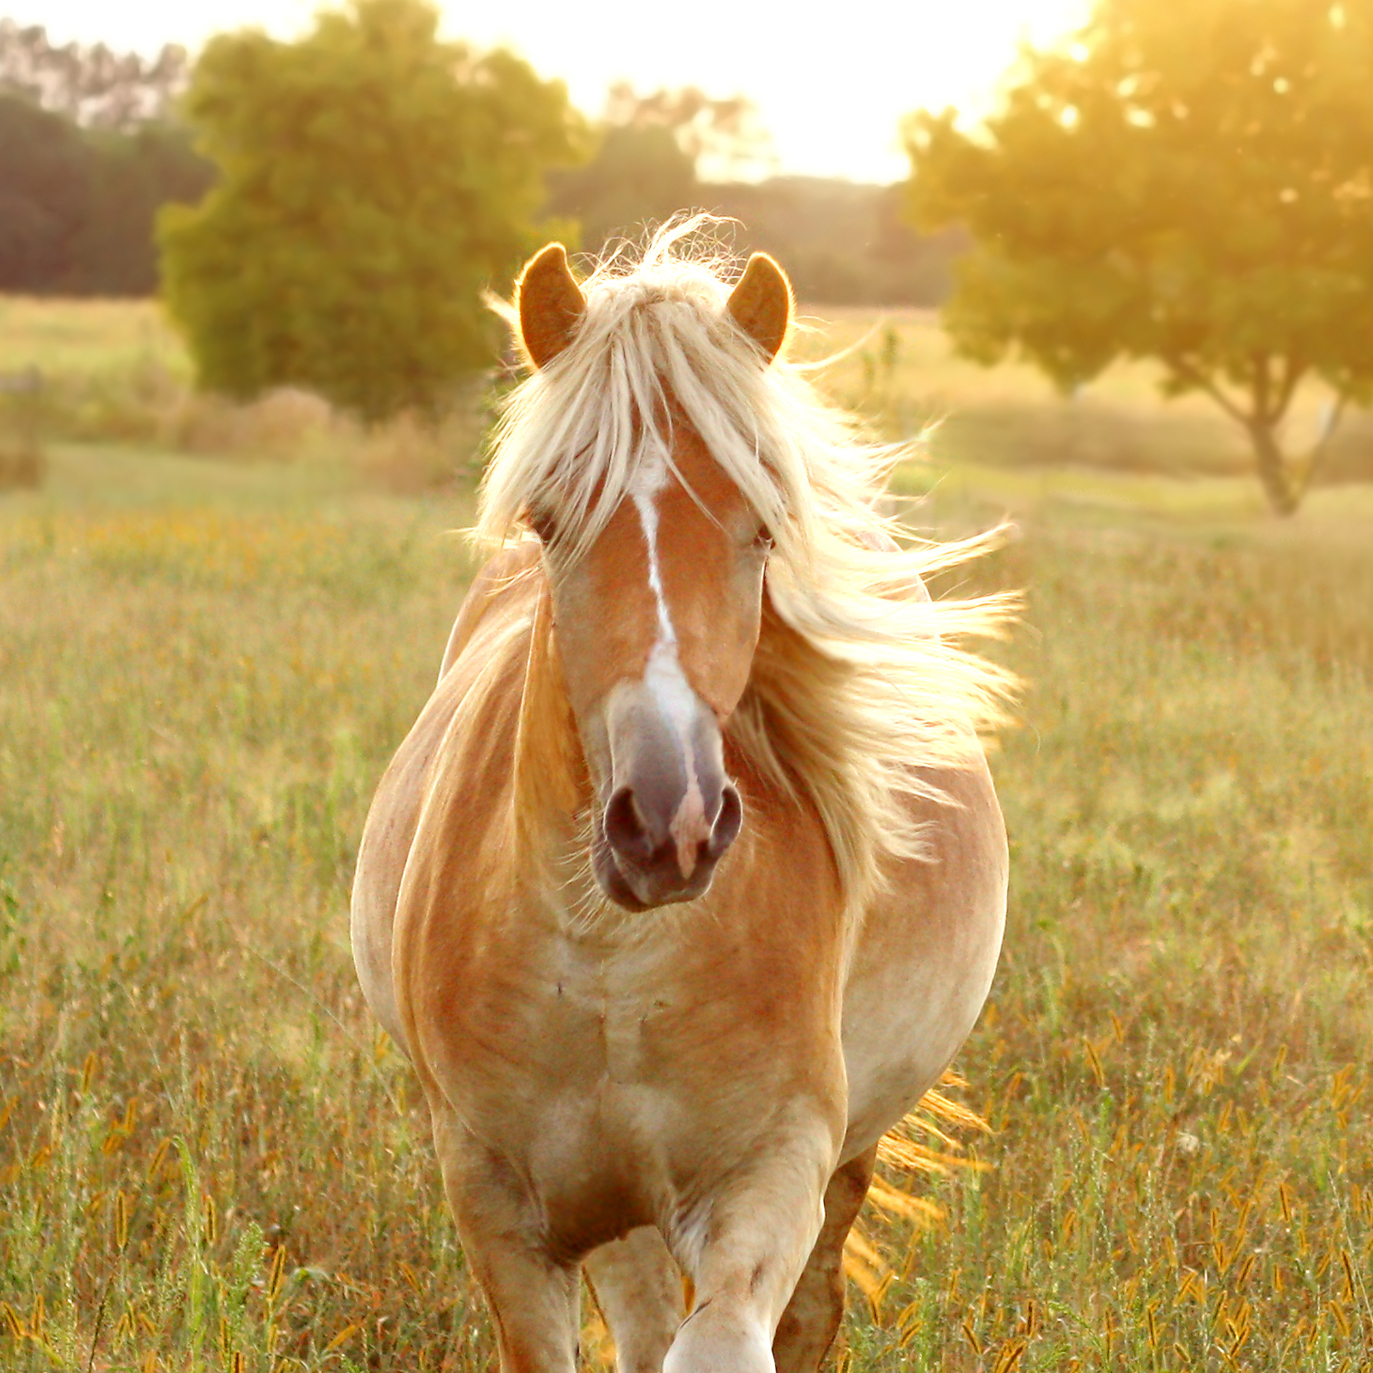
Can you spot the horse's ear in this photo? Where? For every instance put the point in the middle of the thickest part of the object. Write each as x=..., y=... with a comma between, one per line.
x=761, y=303
x=550, y=304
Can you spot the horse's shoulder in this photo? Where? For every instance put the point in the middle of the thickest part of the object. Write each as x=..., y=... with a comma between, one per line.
x=506, y=577
x=479, y=627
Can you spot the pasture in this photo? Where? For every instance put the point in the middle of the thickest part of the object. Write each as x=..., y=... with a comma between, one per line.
x=209, y=1159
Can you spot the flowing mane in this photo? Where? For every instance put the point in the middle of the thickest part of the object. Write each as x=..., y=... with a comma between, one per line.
x=860, y=688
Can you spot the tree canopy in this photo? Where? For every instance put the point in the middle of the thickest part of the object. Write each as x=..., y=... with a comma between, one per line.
x=374, y=182
x=1188, y=183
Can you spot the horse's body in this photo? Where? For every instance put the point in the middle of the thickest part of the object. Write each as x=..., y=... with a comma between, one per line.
x=643, y=1054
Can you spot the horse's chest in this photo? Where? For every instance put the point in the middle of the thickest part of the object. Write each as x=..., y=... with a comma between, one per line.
x=588, y=1034
x=582, y=1088
x=612, y=1074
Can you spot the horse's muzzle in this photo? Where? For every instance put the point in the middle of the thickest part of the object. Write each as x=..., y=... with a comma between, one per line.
x=670, y=812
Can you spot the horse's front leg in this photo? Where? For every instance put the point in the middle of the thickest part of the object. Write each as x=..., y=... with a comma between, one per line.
x=756, y=1240
x=638, y=1288
x=816, y=1308
x=534, y=1296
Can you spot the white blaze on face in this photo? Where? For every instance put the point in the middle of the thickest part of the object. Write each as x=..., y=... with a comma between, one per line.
x=663, y=676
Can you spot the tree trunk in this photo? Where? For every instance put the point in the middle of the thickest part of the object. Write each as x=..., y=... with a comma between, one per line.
x=1282, y=495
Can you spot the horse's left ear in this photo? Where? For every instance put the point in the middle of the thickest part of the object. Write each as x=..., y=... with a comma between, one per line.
x=761, y=303
x=550, y=302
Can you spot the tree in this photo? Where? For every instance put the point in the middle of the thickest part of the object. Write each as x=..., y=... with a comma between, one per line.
x=1187, y=183
x=134, y=175
x=374, y=181
x=77, y=205
x=88, y=153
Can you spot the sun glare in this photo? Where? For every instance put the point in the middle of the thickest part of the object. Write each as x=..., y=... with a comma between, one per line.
x=830, y=85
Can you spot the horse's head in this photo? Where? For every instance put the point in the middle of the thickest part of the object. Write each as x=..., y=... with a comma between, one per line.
x=656, y=578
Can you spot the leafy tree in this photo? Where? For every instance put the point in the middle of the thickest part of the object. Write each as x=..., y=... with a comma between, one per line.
x=77, y=205
x=374, y=181
x=1189, y=183
x=88, y=152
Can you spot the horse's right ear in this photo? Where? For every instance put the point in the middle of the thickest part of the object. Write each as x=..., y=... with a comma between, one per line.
x=550, y=304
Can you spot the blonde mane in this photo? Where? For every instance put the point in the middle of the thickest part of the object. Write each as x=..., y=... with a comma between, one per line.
x=859, y=685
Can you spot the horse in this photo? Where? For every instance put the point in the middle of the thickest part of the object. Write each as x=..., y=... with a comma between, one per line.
x=690, y=878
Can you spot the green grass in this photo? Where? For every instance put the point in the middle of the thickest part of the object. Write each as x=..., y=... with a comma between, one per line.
x=207, y=1150
x=202, y=665
x=116, y=372
x=902, y=368
x=1176, y=1054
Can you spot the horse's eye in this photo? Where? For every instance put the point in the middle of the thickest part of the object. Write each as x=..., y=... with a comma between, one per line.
x=541, y=524
x=763, y=539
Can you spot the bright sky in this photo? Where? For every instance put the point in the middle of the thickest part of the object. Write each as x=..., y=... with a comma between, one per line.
x=830, y=83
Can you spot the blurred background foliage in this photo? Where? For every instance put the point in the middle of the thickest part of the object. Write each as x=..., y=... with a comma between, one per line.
x=1194, y=187
x=321, y=202
x=89, y=151
x=373, y=182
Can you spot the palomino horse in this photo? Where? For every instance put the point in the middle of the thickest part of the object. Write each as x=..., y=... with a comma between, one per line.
x=690, y=879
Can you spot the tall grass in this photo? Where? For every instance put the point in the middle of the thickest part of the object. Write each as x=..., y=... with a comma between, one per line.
x=209, y=1159
x=115, y=372
x=1176, y=1057
x=196, y=690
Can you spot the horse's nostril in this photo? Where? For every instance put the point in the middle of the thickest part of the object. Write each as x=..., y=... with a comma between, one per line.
x=727, y=822
x=648, y=841
x=624, y=826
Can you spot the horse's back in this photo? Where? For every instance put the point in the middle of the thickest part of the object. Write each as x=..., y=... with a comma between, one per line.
x=498, y=591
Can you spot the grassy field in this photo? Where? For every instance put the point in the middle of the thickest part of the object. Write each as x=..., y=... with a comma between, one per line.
x=209, y=1159
x=117, y=371
x=901, y=368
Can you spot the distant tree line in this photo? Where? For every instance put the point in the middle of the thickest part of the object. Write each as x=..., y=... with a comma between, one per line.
x=843, y=243
x=91, y=148
x=88, y=154
x=91, y=85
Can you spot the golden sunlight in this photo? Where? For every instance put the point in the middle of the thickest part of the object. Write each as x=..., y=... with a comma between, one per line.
x=830, y=83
